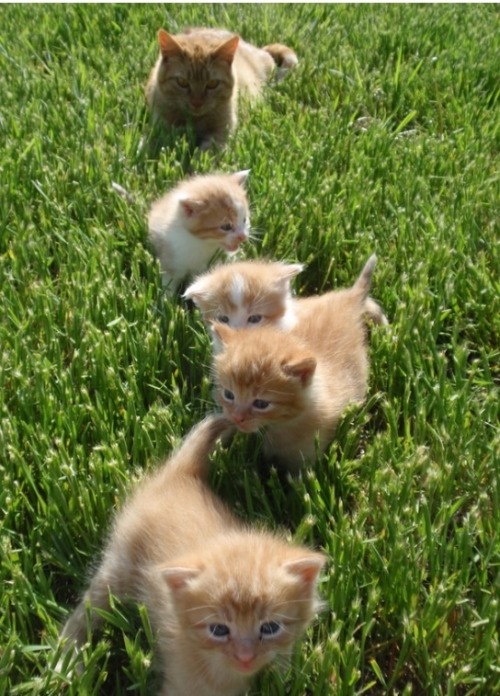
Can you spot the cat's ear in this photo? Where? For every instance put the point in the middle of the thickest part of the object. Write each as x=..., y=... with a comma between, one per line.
x=307, y=569
x=191, y=206
x=221, y=333
x=288, y=271
x=302, y=370
x=178, y=578
x=168, y=45
x=227, y=50
x=241, y=177
x=197, y=290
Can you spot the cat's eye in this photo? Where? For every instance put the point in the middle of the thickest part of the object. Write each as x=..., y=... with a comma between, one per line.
x=254, y=318
x=228, y=395
x=227, y=227
x=212, y=84
x=260, y=404
x=223, y=318
x=219, y=630
x=182, y=82
x=270, y=628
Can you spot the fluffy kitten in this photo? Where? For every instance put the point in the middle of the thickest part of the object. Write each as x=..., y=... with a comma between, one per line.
x=246, y=293
x=223, y=599
x=255, y=293
x=198, y=217
x=198, y=76
x=296, y=384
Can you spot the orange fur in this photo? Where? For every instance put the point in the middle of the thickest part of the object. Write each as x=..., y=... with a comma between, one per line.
x=245, y=293
x=199, y=74
x=198, y=217
x=199, y=570
x=255, y=293
x=297, y=383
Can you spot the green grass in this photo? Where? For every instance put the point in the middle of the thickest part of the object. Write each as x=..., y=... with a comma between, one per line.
x=385, y=139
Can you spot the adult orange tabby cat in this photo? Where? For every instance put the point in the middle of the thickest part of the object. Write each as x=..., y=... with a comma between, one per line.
x=199, y=74
x=296, y=383
x=224, y=600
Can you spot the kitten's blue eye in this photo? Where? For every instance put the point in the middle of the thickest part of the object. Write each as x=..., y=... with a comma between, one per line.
x=254, y=318
x=227, y=227
x=270, y=628
x=219, y=630
x=223, y=319
x=260, y=404
x=228, y=395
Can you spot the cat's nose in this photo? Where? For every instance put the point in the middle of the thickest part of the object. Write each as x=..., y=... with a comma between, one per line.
x=196, y=102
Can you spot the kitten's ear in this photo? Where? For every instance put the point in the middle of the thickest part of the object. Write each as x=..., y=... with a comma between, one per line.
x=288, y=271
x=227, y=50
x=221, y=332
x=168, y=45
x=302, y=370
x=178, y=578
x=307, y=569
x=196, y=291
x=241, y=177
x=191, y=206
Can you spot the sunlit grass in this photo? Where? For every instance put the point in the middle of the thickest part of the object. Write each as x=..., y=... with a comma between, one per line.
x=385, y=140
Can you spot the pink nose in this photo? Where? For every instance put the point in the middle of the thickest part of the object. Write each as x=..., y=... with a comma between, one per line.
x=196, y=103
x=238, y=417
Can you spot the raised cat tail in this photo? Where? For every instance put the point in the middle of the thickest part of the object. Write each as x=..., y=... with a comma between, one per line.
x=362, y=285
x=284, y=57
x=191, y=458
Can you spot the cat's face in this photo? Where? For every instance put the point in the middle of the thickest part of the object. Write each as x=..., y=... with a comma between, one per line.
x=261, y=378
x=246, y=294
x=196, y=75
x=247, y=601
x=216, y=208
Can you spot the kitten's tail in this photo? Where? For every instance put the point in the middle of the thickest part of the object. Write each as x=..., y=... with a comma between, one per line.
x=284, y=57
x=191, y=458
x=362, y=285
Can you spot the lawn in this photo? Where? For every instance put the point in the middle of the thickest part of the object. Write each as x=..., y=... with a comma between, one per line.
x=385, y=139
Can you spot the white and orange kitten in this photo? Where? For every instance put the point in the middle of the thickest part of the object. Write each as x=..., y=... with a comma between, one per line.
x=246, y=294
x=224, y=600
x=297, y=383
x=197, y=218
x=199, y=74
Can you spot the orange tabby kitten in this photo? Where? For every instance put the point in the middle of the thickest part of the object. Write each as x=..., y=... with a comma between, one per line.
x=296, y=383
x=198, y=76
x=255, y=293
x=223, y=599
x=198, y=217
x=246, y=293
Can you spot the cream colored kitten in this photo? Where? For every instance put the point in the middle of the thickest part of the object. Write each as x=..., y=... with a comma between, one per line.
x=246, y=294
x=224, y=600
x=297, y=383
x=199, y=74
x=198, y=217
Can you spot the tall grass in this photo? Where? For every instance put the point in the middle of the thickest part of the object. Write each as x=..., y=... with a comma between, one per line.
x=384, y=139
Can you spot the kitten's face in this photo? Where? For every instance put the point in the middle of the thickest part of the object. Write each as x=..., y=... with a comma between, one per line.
x=261, y=378
x=247, y=603
x=195, y=75
x=246, y=294
x=216, y=209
